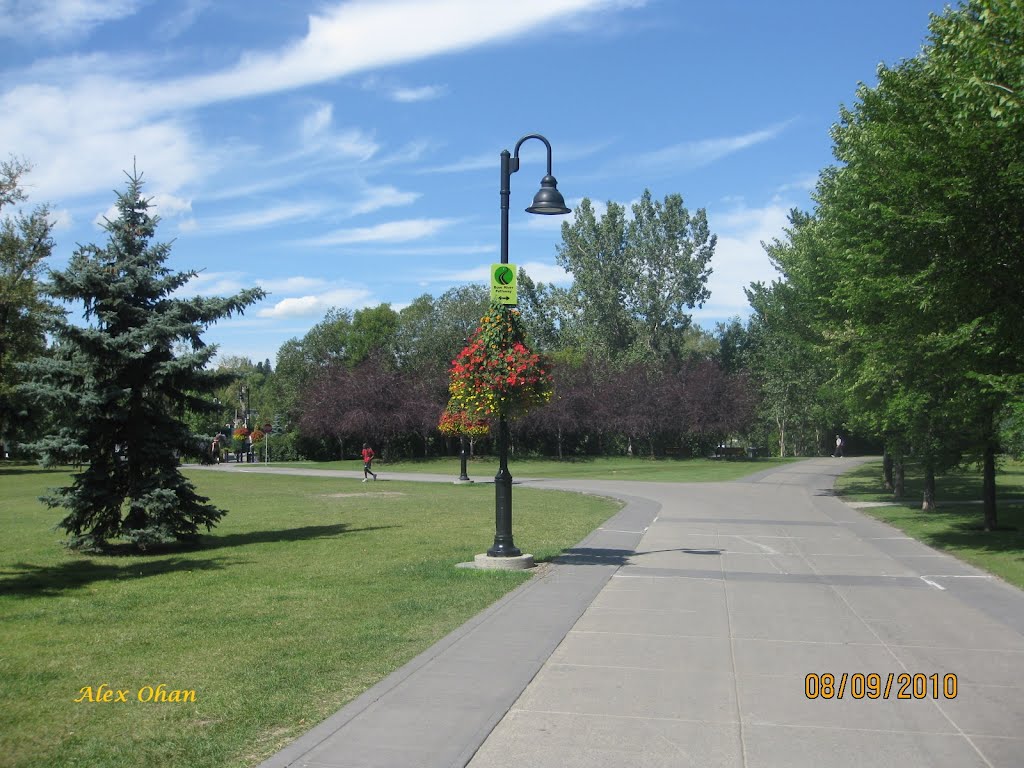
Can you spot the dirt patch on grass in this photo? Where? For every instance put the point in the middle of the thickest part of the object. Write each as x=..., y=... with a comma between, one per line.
x=355, y=495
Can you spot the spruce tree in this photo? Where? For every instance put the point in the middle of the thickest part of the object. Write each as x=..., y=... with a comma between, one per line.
x=121, y=384
x=25, y=313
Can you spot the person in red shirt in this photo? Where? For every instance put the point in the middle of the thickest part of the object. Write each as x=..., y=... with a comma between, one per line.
x=368, y=463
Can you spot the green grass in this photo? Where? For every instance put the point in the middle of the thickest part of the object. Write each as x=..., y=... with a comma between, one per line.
x=310, y=591
x=666, y=470
x=955, y=526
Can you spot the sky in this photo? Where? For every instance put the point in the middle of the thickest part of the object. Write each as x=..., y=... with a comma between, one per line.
x=347, y=154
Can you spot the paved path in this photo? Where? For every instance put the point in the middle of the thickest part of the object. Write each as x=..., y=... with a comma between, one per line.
x=681, y=632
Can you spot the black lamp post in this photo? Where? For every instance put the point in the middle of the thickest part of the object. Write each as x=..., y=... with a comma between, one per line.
x=548, y=201
x=463, y=455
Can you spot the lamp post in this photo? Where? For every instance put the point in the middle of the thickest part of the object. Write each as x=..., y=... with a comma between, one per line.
x=243, y=400
x=463, y=455
x=547, y=201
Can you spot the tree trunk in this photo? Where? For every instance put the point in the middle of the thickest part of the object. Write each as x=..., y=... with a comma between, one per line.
x=928, y=501
x=782, y=436
x=559, y=434
x=988, y=489
x=629, y=446
x=887, y=470
x=899, y=477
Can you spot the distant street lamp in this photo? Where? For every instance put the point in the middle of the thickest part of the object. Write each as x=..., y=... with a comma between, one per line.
x=463, y=455
x=243, y=400
x=547, y=201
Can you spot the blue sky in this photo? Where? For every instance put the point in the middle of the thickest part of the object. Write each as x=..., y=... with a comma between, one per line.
x=347, y=153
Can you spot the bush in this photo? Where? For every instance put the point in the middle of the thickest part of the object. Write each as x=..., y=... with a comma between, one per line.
x=1011, y=429
x=284, y=446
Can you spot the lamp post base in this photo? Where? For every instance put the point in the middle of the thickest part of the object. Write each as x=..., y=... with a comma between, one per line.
x=517, y=563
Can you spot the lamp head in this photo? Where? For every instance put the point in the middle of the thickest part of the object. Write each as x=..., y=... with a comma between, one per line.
x=548, y=199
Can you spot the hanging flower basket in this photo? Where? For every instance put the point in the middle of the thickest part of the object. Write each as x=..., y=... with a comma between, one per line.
x=496, y=374
x=460, y=424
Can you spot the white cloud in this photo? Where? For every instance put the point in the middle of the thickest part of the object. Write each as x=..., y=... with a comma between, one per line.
x=214, y=284
x=181, y=19
x=437, y=250
x=804, y=184
x=317, y=304
x=360, y=35
x=538, y=272
x=689, y=155
x=316, y=134
x=86, y=119
x=739, y=258
x=423, y=93
x=79, y=138
x=388, y=232
x=473, y=163
x=376, y=198
x=290, y=284
x=256, y=219
x=58, y=20
x=546, y=273
x=543, y=222
x=166, y=205
x=492, y=160
x=62, y=220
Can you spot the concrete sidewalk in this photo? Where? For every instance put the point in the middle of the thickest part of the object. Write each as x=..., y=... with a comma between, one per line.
x=682, y=633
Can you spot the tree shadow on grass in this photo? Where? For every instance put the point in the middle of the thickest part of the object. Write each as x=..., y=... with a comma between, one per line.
x=122, y=561
x=1005, y=539
x=27, y=580
x=32, y=469
x=209, y=542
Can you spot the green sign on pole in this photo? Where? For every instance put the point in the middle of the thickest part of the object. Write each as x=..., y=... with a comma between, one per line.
x=503, y=284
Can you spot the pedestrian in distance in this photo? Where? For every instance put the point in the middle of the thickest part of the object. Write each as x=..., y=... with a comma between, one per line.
x=839, y=447
x=368, y=462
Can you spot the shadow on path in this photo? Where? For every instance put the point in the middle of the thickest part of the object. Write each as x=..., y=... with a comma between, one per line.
x=597, y=556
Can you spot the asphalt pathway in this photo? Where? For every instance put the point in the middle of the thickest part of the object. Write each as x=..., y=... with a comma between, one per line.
x=759, y=623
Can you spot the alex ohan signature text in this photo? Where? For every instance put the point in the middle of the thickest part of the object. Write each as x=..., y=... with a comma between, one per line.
x=147, y=694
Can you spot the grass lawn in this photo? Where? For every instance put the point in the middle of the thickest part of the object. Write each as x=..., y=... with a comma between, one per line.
x=955, y=526
x=309, y=591
x=666, y=470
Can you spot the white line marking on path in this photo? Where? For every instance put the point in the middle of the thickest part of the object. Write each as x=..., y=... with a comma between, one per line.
x=616, y=530
x=928, y=579
x=765, y=547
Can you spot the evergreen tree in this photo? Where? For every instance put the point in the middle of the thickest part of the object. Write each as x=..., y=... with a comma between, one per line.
x=122, y=383
x=25, y=313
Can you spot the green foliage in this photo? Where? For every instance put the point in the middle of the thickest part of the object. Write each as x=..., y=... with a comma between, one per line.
x=634, y=281
x=432, y=331
x=787, y=343
x=122, y=384
x=25, y=312
x=1011, y=429
x=905, y=285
